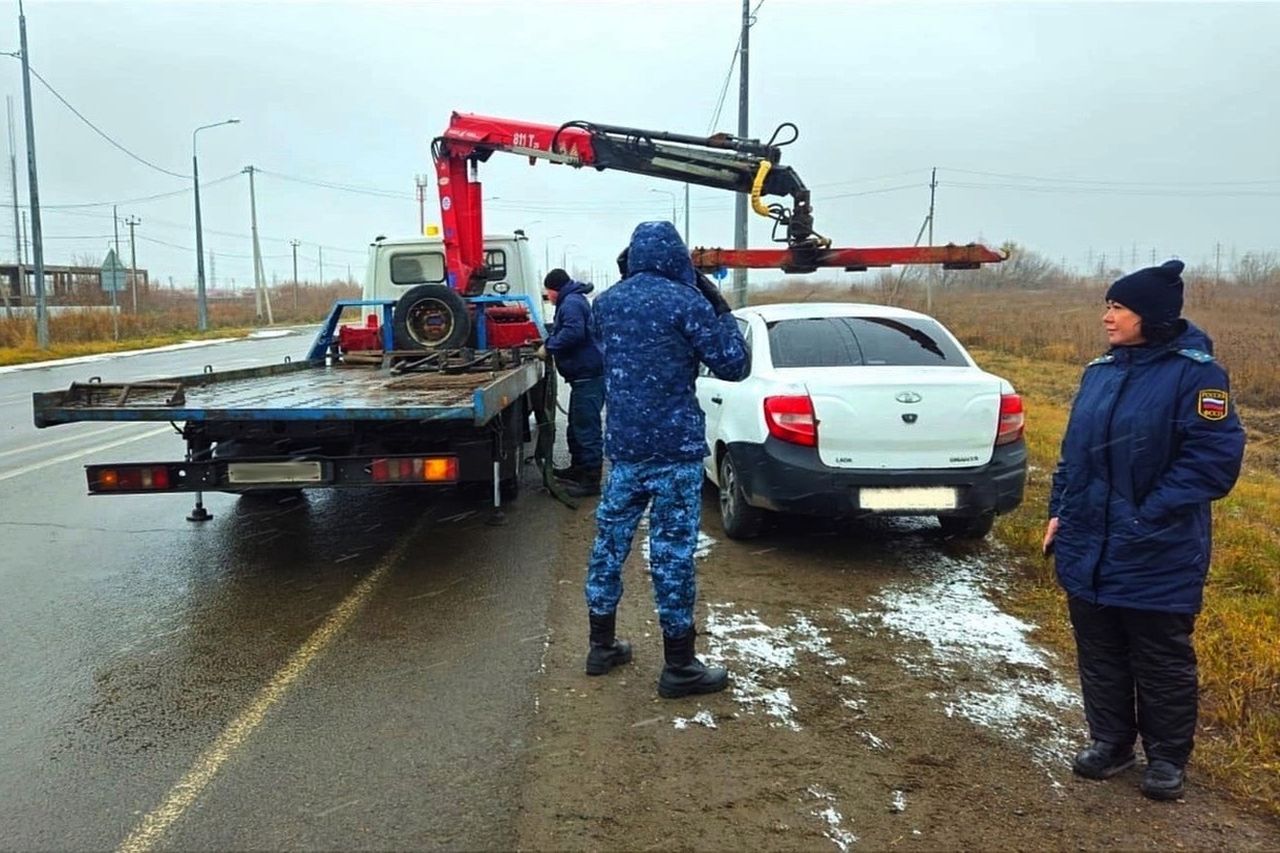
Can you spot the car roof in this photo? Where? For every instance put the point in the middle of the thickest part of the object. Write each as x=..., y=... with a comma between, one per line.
x=810, y=310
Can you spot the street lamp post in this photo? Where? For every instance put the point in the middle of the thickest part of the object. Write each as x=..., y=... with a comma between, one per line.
x=564, y=255
x=546, y=252
x=202, y=307
x=673, y=202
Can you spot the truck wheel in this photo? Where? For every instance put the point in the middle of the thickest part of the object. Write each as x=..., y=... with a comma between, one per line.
x=967, y=527
x=431, y=317
x=739, y=519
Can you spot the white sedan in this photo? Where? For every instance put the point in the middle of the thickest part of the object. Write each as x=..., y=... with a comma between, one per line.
x=853, y=409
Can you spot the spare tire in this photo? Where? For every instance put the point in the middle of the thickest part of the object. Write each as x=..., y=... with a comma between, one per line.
x=431, y=317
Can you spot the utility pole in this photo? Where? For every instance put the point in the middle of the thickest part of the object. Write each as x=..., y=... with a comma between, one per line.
x=320, y=251
x=295, y=244
x=928, y=286
x=133, y=260
x=213, y=275
x=1217, y=263
x=260, y=294
x=115, y=309
x=740, y=199
x=17, y=235
x=33, y=188
x=420, y=182
x=686, y=217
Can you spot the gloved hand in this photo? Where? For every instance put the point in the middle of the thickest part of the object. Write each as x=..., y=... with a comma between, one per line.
x=712, y=293
x=541, y=353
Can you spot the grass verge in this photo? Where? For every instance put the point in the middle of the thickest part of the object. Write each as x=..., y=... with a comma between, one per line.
x=1238, y=633
x=31, y=353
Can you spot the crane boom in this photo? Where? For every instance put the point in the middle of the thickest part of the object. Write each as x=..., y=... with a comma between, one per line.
x=721, y=161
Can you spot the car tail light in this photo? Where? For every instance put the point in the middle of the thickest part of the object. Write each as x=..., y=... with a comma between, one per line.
x=415, y=469
x=1012, y=419
x=791, y=419
x=129, y=478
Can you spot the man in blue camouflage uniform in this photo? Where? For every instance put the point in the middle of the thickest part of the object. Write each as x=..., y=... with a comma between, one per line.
x=655, y=327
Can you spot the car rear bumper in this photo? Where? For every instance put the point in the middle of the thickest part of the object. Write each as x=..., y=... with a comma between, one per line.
x=789, y=478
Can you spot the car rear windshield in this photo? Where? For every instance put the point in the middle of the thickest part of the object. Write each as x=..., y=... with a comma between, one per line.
x=853, y=341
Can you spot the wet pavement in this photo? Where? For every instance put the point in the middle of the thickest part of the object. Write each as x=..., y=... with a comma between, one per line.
x=133, y=644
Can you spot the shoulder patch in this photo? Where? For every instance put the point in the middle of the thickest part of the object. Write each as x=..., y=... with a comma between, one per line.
x=1102, y=359
x=1196, y=355
x=1212, y=404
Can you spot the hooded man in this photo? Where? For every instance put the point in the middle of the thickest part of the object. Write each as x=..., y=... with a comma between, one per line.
x=655, y=327
x=1152, y=440
x=577, y=358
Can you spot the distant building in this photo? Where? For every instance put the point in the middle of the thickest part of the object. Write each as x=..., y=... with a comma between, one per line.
x=65, y=285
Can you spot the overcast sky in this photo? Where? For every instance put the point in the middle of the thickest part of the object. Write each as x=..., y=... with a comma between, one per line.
x=1075, y=129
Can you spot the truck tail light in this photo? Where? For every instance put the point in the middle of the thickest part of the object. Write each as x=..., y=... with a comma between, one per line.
x=129, y=478
x=1012, y=419
x=415, y=469
x=791, y=419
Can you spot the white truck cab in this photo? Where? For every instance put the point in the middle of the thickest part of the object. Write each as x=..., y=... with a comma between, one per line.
x=398, y=264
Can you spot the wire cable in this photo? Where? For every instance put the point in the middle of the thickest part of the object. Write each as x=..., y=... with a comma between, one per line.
x=102, y=132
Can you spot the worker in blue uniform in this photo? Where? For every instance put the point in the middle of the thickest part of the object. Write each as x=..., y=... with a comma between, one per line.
x=1152, y=439
x=577, y=358
x=655, y=327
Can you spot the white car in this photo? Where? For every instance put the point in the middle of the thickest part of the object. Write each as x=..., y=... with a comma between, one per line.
x=853, y=409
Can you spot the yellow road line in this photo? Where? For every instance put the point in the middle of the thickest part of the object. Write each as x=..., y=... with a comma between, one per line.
x=67, y=457
x=206, y=767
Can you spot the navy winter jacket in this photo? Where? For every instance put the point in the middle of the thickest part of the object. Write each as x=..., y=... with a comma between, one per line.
x=1153, y=437
x=572, y=339
x=654, y=328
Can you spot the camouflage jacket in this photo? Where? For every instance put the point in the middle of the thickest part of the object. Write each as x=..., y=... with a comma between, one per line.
x=654, y=328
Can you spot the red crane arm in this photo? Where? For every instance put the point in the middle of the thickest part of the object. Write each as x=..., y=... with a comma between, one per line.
x=721, y=161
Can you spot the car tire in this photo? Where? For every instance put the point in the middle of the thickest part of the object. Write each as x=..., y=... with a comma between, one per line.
x=431, y=317
x=739, y=519
x=967, y=527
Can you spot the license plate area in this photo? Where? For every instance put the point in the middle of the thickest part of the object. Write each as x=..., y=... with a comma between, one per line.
x=261, y=473
x=907, y=499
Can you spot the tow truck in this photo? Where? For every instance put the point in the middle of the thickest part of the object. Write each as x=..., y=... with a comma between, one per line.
x=439, y=383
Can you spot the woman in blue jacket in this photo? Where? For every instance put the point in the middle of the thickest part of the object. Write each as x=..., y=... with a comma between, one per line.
x=1152, y=439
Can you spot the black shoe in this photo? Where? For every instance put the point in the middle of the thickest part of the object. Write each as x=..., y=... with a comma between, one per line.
x=607, y=651
x=1163, y=781
x=586, y=485
x=684, y=674
x=1102, y=760
x=568, y=474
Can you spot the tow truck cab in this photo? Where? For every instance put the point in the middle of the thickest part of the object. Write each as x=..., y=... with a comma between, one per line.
x=398, y=264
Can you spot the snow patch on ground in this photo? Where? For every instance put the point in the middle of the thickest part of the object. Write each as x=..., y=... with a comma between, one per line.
x=702, y=718
x=830, y=815
x=759, y=657
x=967, y=634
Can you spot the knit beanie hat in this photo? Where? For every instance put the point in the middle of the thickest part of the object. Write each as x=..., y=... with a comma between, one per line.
x=555, y=279
x=1153, y=293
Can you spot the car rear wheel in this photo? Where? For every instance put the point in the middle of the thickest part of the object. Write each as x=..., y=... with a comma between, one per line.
x=739, y=519
x=967, y=527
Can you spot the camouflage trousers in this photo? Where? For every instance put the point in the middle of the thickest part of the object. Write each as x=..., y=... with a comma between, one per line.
x=672, y=492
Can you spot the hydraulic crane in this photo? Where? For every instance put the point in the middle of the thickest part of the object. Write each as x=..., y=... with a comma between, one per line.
x=721, y=161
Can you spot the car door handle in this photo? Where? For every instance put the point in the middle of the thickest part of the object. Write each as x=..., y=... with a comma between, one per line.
x=717, y=400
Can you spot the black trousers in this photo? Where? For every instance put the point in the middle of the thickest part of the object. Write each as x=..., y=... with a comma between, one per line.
x=1138, y=676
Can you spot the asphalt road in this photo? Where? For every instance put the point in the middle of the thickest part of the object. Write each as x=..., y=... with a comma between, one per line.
x=354, y=670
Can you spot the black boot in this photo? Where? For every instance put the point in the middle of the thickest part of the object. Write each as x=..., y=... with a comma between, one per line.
x=586, y=485
x=569, y=473
x=684, y=674
x=1102, y=760
x=1163, y=781
x=607, y=651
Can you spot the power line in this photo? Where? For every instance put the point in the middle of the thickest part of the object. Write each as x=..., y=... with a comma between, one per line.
x=1124, y=191
x=102, y=132
x=141, y=200
x=1108, y=182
